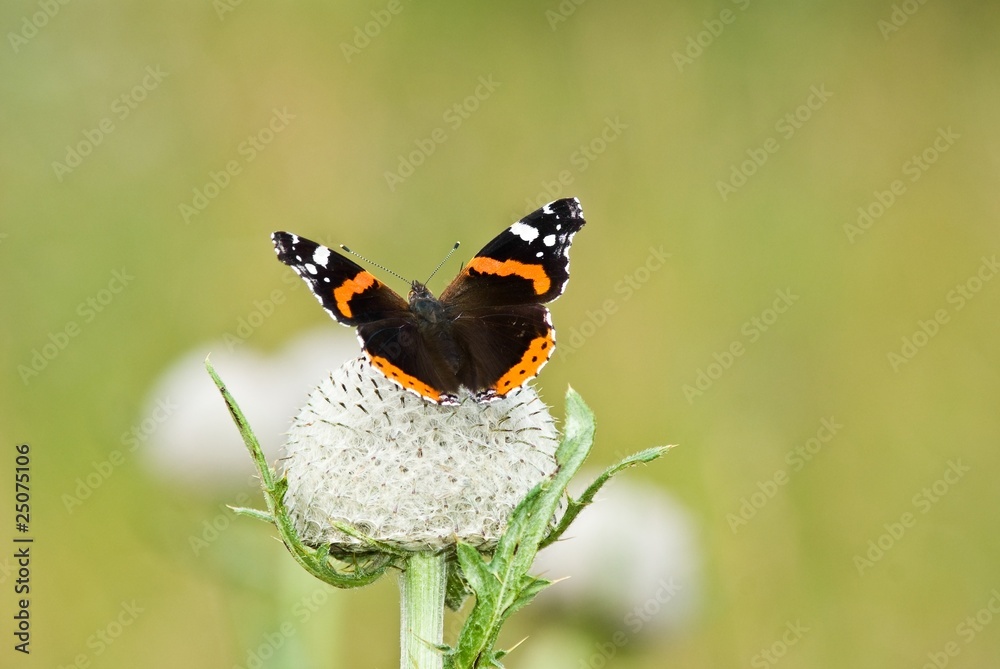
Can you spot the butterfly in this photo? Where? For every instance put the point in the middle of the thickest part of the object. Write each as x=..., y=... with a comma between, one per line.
x=489, y=331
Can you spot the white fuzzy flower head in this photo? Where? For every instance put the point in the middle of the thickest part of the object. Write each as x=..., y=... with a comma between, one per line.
x=401, y=470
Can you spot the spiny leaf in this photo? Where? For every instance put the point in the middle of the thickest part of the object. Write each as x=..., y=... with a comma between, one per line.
x=575, y=506
x=503, y=586
x=316, y=562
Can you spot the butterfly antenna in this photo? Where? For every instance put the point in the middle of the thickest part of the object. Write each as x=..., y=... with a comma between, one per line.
x=375, y=264
x=453, y=249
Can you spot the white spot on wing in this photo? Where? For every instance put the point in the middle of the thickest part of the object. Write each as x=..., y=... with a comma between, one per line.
x=310, y=268
x=524, y=231
x=321, y=256
x=540, y=254
x=549, y=240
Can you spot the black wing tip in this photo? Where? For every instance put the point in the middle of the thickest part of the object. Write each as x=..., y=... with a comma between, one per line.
x=567, y=208
x=574, y=208
x=283, y=242
x=288, y=244
x=566, y=212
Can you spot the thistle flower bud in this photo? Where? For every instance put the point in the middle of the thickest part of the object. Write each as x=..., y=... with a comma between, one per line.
x=401, y=470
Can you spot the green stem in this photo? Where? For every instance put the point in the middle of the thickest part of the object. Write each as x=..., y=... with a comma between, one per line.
x=421, y=625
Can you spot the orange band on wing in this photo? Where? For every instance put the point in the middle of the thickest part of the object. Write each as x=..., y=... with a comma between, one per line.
x=345, y=291
x=534, y=273
x=402, y=378
x=538, y=354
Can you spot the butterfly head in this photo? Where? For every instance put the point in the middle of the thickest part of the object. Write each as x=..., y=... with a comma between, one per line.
x=422, y=301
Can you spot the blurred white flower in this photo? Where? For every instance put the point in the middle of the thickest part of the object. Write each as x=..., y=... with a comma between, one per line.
x=633, y=564
x=187, y=433
x=399, y=469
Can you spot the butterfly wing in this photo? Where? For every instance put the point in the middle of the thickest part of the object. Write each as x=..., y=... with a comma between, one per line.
x=504, y=347
x=528, y=263
x=349, y=293
x=388, y=331
x=497, y=301
x=398, y=348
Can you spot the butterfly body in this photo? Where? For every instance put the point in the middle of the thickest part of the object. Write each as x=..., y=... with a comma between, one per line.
x=488, y=332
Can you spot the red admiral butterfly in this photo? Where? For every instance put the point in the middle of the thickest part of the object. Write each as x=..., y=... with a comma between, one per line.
x=488, y=332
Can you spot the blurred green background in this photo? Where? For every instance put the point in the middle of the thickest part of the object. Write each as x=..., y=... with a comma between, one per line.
x=740, y=138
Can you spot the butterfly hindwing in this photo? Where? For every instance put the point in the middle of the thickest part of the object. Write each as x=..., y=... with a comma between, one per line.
x=505, y=346
x=348, y=292
x=399, y=348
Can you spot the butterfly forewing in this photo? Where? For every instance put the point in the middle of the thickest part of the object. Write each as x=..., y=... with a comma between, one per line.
x=349, y=293
x=526, y=263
